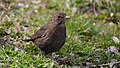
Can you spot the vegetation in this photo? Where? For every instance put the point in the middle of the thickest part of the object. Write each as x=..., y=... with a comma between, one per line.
x=93, y=33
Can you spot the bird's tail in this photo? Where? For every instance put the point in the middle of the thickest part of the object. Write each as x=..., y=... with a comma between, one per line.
x=27, y=40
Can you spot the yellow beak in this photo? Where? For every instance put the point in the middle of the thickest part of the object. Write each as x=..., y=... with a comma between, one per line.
x=67, y=17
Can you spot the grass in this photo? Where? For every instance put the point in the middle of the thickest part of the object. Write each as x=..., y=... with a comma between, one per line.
x=90, y=33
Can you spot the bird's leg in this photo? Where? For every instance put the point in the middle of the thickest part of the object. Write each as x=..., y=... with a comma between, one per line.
x=41, y=53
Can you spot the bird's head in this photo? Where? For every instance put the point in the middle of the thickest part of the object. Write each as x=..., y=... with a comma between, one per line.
x=60, y=17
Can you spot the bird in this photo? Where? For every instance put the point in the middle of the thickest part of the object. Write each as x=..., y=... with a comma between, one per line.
x=51, y=36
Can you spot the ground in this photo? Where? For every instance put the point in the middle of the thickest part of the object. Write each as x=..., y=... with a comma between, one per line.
x=93, y=33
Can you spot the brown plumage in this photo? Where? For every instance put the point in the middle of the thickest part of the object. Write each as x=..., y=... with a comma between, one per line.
x=52, y=36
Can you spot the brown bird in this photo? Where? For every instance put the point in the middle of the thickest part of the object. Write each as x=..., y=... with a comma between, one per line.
x=52, y=36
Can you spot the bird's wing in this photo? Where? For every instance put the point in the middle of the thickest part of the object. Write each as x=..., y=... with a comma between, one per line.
x=40, y=33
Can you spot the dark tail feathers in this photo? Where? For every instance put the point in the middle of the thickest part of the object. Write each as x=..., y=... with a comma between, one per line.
x=27, y=40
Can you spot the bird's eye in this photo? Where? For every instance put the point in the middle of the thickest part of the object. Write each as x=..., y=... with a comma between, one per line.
x=59, y=16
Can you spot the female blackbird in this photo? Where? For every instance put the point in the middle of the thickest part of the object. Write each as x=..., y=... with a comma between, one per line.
x=52, y=36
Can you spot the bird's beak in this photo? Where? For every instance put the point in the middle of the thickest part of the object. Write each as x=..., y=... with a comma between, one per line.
x=67, y=17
